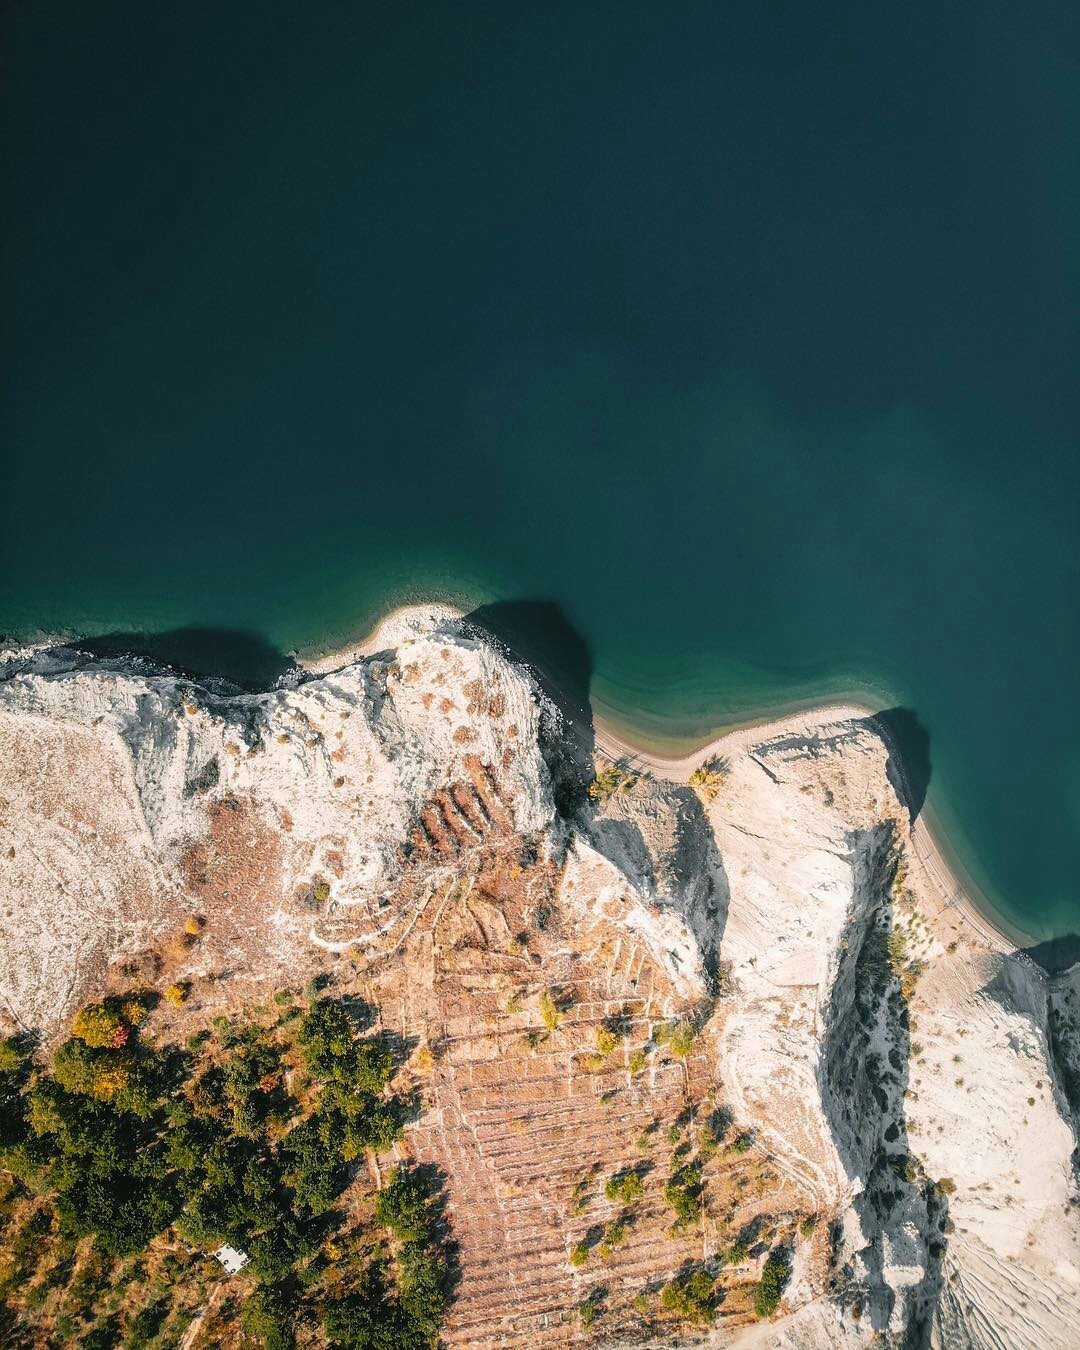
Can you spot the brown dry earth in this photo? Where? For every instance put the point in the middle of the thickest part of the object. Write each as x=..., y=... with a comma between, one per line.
x=526, y=1121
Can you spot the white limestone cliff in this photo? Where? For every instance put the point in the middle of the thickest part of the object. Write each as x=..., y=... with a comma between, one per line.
x=931, y=1127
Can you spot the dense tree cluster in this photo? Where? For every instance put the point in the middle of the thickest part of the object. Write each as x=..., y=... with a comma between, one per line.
x=370, y=1316
x=123, y=1142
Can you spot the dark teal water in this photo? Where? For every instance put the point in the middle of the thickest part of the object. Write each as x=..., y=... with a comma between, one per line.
x=749, y=334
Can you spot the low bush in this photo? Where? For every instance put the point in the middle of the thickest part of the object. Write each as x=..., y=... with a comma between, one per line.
x=626, y=1187
x=708, y=778
x=679, y=1037
x=606, y=1040
x=612, y=779
x=615, y=1235
x=742, y=1143
x=691, y=1297
x=683, y=1193
x=549, y=1012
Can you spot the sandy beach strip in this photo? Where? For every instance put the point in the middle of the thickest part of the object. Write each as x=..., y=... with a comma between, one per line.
x=396, y=626
x=948, y=897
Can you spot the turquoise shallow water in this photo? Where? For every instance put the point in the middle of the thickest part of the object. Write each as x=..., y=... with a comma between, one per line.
x=748, y=335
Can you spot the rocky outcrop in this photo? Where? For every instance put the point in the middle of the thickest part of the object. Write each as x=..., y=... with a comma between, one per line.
x=895, y=1077
x=915, y=1081
x=339, y=779
x=658, y=837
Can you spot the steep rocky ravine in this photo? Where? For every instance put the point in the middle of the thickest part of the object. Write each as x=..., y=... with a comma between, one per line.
x=888, y=1247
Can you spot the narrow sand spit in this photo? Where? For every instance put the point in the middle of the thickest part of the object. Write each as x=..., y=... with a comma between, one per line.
x=404, y=622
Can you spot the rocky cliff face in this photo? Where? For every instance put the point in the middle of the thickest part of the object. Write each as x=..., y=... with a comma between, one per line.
x=904, y=1091
x=909, y=1071
x=290, y=812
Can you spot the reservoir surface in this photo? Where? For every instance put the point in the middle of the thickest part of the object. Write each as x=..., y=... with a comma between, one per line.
x=745, y=335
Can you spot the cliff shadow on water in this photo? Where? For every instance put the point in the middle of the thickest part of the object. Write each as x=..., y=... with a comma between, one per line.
x=1056, y=955
x=242, y=659
x=909, y=765
x=538, y=634
x=909, y=768
x=657, y=833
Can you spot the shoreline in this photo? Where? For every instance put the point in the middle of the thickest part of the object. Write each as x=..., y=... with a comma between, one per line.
x=401, y=622
x=943, y=876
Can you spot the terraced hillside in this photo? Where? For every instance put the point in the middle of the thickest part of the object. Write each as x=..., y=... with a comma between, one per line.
x=692, y=1051
x=544, y=1030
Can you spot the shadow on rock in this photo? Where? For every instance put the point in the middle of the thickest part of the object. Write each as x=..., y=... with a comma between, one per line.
x=900, y=1221
x=658, y=835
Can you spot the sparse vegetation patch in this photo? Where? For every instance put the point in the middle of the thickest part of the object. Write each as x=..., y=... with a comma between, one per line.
x=709, y=777
x=611, y=780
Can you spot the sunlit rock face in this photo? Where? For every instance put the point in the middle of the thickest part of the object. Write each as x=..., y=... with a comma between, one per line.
x=904, y=1092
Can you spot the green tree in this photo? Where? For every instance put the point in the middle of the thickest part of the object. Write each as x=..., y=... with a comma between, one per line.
x=99, y=1026
x=422, y=1283
x=325, y=1036
x=269, y=1316
x=691, y=1296
x=626, y=1187
x=683, y=1193
x=403, y=1205
x=774, y=1277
